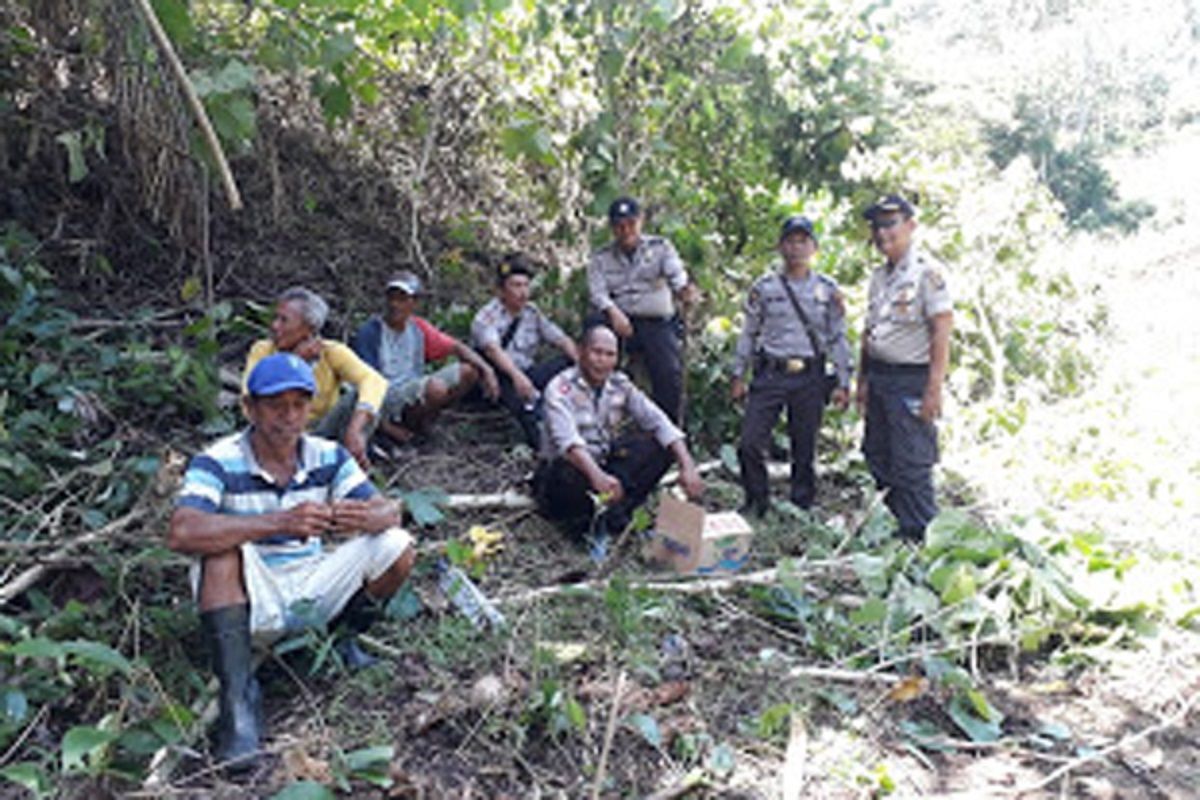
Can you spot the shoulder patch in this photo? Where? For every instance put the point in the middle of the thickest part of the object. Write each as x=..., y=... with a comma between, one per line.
x=935, y=279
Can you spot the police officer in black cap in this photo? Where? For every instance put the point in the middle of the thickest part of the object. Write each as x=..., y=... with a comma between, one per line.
x=905, y=355
x=635, y=284
x=794, y=337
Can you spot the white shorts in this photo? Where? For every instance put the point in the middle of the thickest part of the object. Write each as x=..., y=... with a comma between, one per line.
x=305, y=591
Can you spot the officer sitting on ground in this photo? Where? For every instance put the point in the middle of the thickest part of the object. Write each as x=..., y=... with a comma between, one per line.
x=585, y=447
x=252, y=510
x=794, y=324
x=509, y=330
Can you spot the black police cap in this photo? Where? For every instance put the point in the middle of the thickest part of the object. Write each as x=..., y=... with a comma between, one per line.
x=797, y=223
x=623, y=208
x=888, y=204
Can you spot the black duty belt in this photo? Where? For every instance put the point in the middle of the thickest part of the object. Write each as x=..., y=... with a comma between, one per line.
x=789, y=366
x=887, y=368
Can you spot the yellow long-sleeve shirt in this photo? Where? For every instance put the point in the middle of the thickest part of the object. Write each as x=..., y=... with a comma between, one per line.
x=337, y=364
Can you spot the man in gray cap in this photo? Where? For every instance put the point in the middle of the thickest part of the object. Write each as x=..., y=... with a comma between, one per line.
x=905, y=355
x=634, y=283
x=399, y=344
x=794, y=337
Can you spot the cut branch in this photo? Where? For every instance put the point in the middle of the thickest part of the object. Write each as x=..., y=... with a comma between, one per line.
x=193, y=101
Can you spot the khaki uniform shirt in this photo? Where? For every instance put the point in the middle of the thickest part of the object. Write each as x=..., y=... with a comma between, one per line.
x=771, y=325
x=576, y=414
x=900, y=303
x=642, y=284
x=534, y=327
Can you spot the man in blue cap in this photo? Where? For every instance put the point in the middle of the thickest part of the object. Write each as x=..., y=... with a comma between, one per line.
x=252, y=511
x=794, y=337
x=635, y=284
x=905, y=355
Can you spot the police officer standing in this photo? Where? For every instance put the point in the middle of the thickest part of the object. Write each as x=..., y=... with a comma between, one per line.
x=794, y=331
x=634, y=283
x=905, y=354
x=590, y=447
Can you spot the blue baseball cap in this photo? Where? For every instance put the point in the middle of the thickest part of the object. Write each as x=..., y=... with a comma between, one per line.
x=279, y=372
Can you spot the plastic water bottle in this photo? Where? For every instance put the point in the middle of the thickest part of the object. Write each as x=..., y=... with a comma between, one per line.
x=468, y=598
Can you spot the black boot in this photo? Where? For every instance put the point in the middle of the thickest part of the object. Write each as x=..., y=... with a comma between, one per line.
x=227, y=630
x=356, y=617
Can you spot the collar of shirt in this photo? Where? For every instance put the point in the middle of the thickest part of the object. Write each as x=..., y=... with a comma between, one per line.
x=302, y=460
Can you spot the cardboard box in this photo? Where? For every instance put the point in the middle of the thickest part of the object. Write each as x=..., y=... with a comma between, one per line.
x=689, y=539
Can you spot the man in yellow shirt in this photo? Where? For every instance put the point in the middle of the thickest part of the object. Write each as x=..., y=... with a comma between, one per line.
x=351, y=417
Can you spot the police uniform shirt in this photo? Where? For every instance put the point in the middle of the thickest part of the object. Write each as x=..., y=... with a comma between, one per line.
x=534, y=327
x=900, y=303
x=641, y=284
x=771, y=325
x=578, y=414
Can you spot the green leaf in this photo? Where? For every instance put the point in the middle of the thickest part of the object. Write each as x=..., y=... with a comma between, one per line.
x=964, y=714
x=38, y=647
x=28, y=775
x=83, y=741
x=92, y=654
x=336, y=49
x=959, y=584
x=369, y=757
x=336, y=101
x=175, y=19
x=304, y=790
x=647, y=727
x=422, y=505
x=721, y=760
x=404, y=604
x=575, y=714
x=869, y=613
x=42, y=373
x=14, y=705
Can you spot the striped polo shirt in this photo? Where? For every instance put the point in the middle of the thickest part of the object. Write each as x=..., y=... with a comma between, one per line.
x=226, y=479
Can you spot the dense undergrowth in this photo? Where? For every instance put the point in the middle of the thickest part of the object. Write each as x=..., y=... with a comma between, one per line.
x=97, y=658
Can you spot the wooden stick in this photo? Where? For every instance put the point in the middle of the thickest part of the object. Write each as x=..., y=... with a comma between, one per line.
x=843, y=675
x=610, y=731
x=1170, y=722
x=506, y=499
x=29, y=577
x=682, y=584
x=193, y=101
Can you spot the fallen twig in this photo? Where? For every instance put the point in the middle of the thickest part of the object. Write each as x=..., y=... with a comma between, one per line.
x=1169, y=722
x=682, y=584
x=610, y=731
x=193, y=102
x=31, y=576
x=844, y=675
x=506, y=499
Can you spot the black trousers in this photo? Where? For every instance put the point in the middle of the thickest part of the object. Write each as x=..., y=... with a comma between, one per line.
x=563, y=493
x=803, y=395
x=900, y=448
x=529, y=415
x=658, y=344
